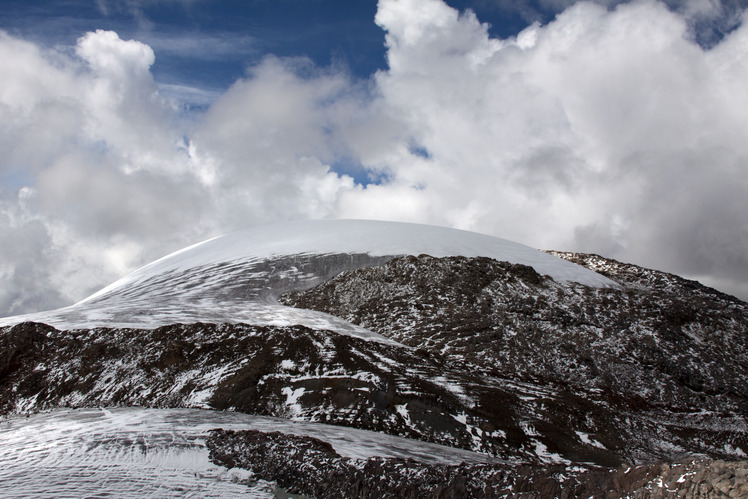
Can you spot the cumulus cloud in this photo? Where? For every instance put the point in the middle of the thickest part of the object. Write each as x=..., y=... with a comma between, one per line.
x=609, y=129
x=605, y=130
x=100, y=172
x=708, y=20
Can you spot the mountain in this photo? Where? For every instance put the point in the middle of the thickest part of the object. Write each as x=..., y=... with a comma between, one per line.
x=558, y=366
x=215, y=280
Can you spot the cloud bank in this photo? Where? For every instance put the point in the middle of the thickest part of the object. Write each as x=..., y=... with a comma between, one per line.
x=605, y=130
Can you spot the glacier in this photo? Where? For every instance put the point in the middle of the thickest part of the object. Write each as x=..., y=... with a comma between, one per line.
x=540, y=361
x=140, y=452
x=238, y=277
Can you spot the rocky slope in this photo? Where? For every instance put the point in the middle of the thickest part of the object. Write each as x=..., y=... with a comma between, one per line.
x=485, y=358
x=663, y=359
x=297, y=373
x=312, y=467
x=559, y=363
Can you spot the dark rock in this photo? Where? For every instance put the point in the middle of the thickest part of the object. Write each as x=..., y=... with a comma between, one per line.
x=660, y=345
x=311, y=467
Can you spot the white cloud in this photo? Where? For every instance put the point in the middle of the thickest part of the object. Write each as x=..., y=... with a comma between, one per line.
x=110, y=56
x=107, y=174
x=91, y=149
x=202, y=46
x=606, y=130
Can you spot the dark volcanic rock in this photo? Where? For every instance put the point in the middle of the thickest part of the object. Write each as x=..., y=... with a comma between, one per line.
x=553, y=378
x=293, y=372
x=310, y=466
x=666, y=357
x=667, y=344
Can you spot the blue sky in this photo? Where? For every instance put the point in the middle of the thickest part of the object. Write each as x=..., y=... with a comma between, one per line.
x=209, y=44
x=203, y=47
x=132, y=128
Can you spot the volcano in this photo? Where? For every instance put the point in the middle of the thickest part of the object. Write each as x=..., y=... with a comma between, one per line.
x=550, y=372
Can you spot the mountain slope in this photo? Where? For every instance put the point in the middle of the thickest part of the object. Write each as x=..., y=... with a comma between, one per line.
x=434, y=334
x=291, y=372
x=660, y=363
x=214, y=281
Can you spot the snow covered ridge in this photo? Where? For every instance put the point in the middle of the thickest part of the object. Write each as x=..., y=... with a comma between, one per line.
x=375, y=238
x=238, y=277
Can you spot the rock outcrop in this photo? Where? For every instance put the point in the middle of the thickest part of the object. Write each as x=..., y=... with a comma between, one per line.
x=309, y=466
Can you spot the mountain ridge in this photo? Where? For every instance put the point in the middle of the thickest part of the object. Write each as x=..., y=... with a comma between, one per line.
x=260, y=263
x=633, y=367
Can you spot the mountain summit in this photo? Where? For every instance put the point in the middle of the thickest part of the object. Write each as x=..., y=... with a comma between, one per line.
x=214, y=281
x=554, y=371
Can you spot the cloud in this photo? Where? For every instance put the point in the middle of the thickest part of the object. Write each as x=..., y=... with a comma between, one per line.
x=203, y=46
x=607, y=130
x=111, y=57
x=101, y=171
x=708, y=20
x=25, y=267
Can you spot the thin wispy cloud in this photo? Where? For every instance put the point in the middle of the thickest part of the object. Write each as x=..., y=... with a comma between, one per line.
x=206, y=46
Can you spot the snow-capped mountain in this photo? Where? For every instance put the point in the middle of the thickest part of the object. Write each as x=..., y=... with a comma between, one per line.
x=213, y=281
x=530, y=358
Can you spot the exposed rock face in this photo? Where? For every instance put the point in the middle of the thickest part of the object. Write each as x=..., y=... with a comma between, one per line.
x=660, y=349
x=292, y=372
x=312, y=467
x=697, y=478
x=553, y=379
x=675, y=343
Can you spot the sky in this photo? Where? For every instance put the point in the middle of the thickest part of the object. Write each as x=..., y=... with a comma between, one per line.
x=132, y=128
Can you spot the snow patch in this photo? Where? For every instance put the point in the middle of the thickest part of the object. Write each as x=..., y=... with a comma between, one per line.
x=292, y=399
x=402, y=410
x=287, y=364
x=586, y=439
x=735, y=451
x=546, y=456
x=528, y=429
